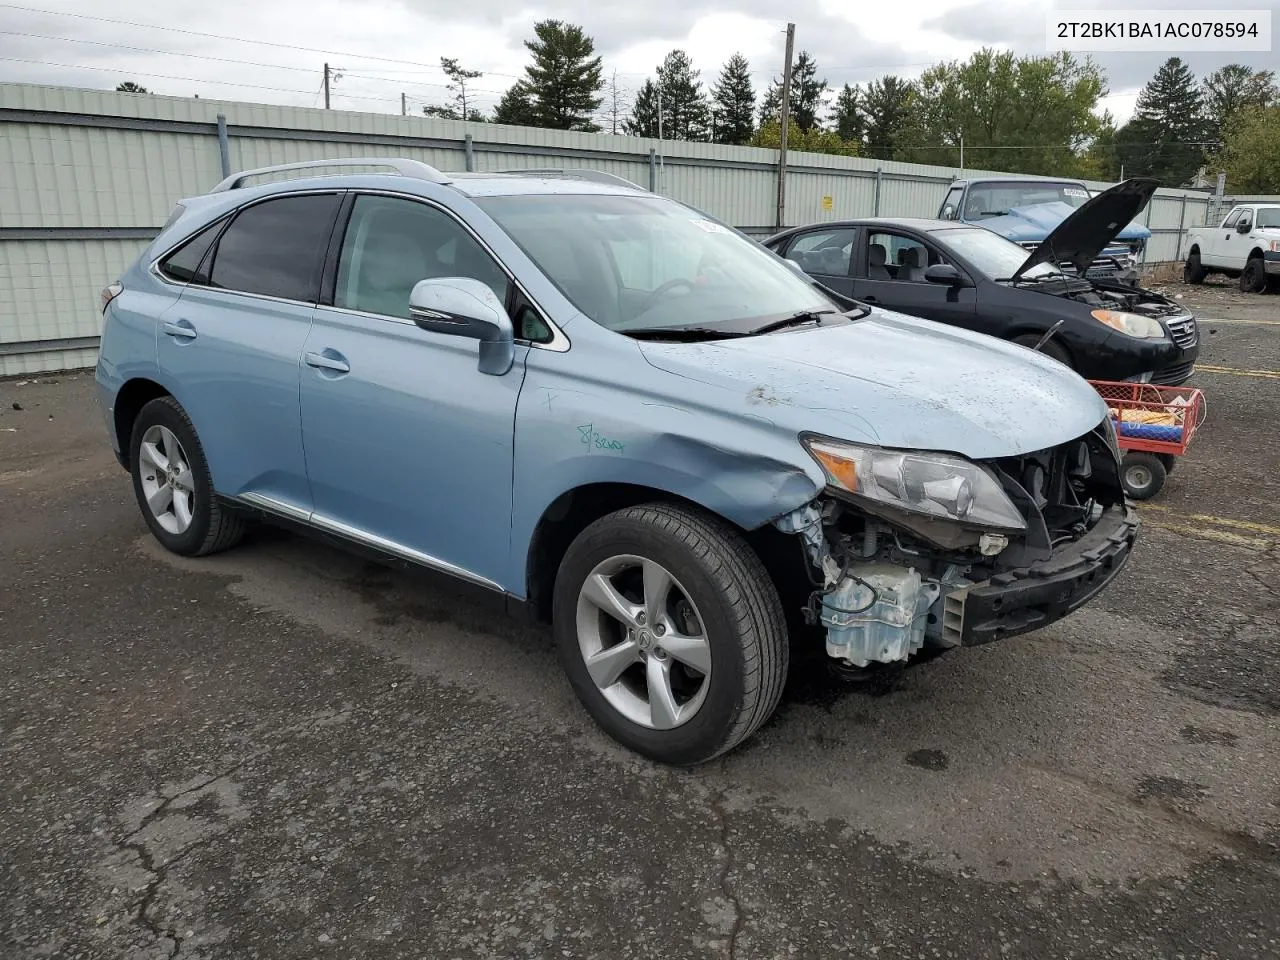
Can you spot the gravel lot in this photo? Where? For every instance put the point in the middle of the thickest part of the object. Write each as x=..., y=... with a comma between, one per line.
x=284, y=751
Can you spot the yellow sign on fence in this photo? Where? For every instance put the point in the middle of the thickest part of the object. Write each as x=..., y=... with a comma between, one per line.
x=827, y=203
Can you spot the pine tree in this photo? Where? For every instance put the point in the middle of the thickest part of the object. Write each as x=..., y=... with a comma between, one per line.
x=563, y=83
x=733, y=103
x=1166, y=137
x=516, y=106
x=847, y=115
x=886, y=105
x=807, y=92
x=1235, y=87
x=130, y=87
x=685, y=113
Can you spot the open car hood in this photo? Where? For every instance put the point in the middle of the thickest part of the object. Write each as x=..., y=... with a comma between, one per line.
x=1079, y=239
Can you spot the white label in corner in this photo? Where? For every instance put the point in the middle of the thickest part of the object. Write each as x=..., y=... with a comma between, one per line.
x=709, y=226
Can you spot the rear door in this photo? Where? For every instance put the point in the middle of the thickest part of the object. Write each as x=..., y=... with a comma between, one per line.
x=826, y=254
x=889, y=272
x=229, y=348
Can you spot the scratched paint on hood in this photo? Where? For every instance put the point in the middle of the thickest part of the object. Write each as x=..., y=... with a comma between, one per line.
x=902, y=381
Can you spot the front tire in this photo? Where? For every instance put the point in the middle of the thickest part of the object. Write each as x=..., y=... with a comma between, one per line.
x=1193, y=271
x=1253, y=279
x=173, y=486
x=670, y=631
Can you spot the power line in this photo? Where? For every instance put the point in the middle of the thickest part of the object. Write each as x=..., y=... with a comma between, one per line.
x=169, y=76
x=166, y=53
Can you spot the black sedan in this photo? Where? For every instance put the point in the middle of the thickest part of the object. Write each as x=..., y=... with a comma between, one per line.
x=970, y=277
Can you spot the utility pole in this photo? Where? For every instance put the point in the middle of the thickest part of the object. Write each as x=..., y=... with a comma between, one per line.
x=326, y=87
x=661, y=167
x=404, y=106
x=962, y=154
x=783, y=118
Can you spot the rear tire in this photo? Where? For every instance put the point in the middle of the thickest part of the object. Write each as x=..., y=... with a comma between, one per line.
x=1253, y=279
x=1050, y=349
x=730, y=606
x=1142, y=474
x=1193, y=271
x=173, y=486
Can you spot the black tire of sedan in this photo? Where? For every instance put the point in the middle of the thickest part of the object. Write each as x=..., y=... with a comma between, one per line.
x=1193, y=271
x=670, y=631
x=173, y=486
x=1050, y=349
x=1253, y=279
x=1142, y=474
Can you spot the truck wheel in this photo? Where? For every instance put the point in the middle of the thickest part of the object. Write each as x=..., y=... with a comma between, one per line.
x=670, y=631
x=1254, y=277
x=1192, y=271
x=1050, y=349
x=1142, y=475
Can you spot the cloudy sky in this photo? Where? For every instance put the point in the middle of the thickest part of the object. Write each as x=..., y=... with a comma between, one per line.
x=272, y=50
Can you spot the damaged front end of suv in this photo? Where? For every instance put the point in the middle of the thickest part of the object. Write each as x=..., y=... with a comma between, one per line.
x=908, y=549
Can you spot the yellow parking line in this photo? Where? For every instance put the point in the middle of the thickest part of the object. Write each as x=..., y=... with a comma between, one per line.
x=1218, y=521
x=1208, y=533
x=1263, y=323
x=1262, y=374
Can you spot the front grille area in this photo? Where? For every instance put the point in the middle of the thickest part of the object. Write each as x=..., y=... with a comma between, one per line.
x=1183, y=330
x=1174, y=376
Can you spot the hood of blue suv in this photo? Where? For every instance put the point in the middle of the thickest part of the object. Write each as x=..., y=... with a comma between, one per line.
x=897, y=381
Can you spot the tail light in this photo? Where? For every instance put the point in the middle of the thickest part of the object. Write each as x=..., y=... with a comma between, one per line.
x=110, y=292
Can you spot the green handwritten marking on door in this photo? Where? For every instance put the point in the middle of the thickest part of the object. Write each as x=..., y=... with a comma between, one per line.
x=594, y=440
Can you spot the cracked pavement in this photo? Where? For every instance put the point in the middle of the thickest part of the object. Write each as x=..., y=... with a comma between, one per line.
x=287, y=751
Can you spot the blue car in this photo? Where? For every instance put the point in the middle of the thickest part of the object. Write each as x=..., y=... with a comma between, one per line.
x=610, y=410
x=1027, y=209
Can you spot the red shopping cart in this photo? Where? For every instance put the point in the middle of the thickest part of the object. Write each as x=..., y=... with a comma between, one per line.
x=1154, y=425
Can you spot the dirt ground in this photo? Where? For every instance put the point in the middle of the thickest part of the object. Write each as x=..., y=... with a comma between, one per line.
x=284, y=751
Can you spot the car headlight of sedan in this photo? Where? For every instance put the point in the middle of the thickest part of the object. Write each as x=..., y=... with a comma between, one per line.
x=935, y=485
x=1131, y=324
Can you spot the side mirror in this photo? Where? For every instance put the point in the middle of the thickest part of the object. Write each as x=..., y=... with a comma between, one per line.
x=1244, y=226
x=945, y=273
x=948, y=212
x=464, y=307
x=797, y=268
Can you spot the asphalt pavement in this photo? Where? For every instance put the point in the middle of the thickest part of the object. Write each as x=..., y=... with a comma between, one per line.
x=286, y=751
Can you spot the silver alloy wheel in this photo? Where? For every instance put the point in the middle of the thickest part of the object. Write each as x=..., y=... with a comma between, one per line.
x=643, y=642
x=167, y=483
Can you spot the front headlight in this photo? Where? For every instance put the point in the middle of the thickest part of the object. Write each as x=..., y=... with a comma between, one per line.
x=931, y=484
x=1274, y=246
x=1131, y=324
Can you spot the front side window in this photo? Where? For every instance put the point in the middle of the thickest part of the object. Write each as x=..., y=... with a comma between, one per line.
x=643, y=263
x=276, y=248
x=892, y=256
x=391, y=244
x=951, y=205
x=188, y=264
x=823, y=252
x=1232, y=217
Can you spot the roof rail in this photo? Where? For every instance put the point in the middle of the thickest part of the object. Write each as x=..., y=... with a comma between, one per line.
x=577, y=173
x=404, y=167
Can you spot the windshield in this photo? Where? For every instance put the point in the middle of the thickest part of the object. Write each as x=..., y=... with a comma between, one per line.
x=646, y=263
x=987, y=200
x=1268, y=217
x=992, y=254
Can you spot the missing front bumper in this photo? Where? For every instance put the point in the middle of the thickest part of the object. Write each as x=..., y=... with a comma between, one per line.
x=1028, y=598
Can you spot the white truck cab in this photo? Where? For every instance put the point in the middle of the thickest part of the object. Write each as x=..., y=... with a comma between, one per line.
x=1246, y=245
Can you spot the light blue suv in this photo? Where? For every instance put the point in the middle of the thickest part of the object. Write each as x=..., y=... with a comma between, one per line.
x=614, y=411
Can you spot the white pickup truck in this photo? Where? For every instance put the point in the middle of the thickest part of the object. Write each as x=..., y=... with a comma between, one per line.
x=1246, y=245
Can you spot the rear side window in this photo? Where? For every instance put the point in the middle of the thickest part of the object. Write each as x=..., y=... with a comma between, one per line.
x=184, y=264
x=276, y=248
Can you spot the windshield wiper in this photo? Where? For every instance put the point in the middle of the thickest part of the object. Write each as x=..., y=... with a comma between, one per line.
x=796, y=319
x=681, y=334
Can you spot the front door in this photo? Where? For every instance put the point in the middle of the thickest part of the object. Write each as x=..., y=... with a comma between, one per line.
x=408, y=444
x=825, y=254
x=229, y=346
x=890, y=273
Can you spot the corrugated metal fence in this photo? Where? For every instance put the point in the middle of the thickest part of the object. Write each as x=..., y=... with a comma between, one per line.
x=87, y=177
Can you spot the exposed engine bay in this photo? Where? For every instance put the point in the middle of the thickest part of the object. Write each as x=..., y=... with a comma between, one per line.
x=889, y=581
x=1130, y=299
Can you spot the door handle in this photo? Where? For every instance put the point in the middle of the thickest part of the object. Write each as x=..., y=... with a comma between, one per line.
x=869, y=300
x=324, y=362
x=182, y=329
